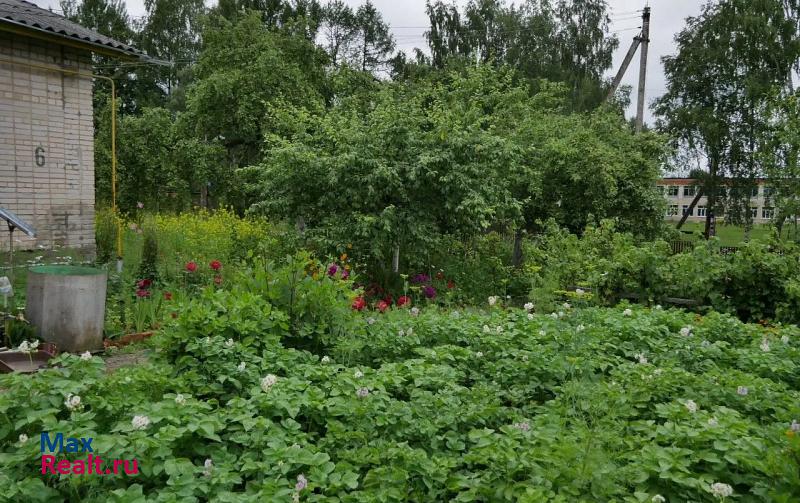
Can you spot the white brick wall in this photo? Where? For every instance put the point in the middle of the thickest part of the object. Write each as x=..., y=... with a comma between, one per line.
x=50, y=111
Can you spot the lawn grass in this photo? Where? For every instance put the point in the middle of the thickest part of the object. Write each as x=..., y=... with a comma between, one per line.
x=732, y=235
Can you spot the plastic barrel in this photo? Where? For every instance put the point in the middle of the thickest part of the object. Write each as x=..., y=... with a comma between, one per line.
x=67, y=306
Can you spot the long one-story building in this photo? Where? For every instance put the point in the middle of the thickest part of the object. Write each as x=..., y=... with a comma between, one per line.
x=46, y=123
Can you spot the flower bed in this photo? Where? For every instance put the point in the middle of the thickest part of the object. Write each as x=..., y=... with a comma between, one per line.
x=425, y=405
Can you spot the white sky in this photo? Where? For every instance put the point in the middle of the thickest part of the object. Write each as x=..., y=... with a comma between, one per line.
x=408, y=21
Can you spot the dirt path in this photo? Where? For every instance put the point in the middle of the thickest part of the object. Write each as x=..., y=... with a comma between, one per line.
x=117, y=361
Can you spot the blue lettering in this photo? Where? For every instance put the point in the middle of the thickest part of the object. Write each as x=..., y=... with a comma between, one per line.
x=57, y=441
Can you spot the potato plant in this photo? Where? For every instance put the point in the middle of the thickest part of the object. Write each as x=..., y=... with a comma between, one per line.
x=483, y=404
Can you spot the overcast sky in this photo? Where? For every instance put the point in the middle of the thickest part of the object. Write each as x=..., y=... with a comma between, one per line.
x=408, y=21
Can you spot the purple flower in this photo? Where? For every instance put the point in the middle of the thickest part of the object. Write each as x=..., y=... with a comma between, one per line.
x=333, y=269
x=429, y=292
x=345, y=274
x=742, y=390
x=302, y=483
x=362, y=392
x=795, y=427
x=420, y=279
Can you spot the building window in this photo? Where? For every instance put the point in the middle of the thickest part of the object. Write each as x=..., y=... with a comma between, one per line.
x=701, y=211
x=769, y=191
x=672, y=210
x=686, y=210
x=754, y=192
x=689, y=191
x=661, y=189
x=754, y=212
x=767, y=213
x=672, y=190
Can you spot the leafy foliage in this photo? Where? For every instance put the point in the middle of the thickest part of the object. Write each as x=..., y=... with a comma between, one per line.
x=467, y=406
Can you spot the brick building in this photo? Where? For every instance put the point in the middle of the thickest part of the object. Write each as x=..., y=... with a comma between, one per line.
x=46, y=124
x=680, y=192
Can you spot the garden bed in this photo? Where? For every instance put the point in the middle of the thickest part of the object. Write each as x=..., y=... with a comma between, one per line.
x=426, y=405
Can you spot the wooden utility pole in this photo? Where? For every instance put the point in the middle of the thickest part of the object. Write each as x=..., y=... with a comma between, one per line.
x=624, y=68
x=645, y=40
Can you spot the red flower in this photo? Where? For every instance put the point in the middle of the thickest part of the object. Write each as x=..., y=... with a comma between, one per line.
x=388, y=299
x=440, y=275
x=451, y=284
x=143, y=284
x=403, y=300
x=217, y=279
x=167, y=295
x=216, y=265
x=142, y=293
x=359, y=304
x=382, y=306
x=191, y=266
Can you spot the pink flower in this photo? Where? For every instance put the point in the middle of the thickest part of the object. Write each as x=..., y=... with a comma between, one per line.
x=142, y=293
x=145, y=283
x=382, y=306
x=333, y=269
x=359, y=304
x=216, y=265
x=191, y=266
x=217, y=280
x=403, y=300
x=345, y=274
x=167, y=295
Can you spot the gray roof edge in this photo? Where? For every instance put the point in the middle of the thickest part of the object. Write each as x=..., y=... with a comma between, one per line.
x=26, y=16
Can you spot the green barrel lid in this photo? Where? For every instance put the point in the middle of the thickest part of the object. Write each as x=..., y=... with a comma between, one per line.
x=66, y=270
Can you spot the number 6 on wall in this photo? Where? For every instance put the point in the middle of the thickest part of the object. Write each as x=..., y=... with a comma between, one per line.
x=39, y=156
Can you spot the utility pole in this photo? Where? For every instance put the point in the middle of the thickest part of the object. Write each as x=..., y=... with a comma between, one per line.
x=645, y=40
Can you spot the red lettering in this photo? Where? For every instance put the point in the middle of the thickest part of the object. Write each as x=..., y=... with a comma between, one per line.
x=47, y=462
x=117, y=462
x=97, y=461
x=135, y=470
x=79, y=467
x=63, y=467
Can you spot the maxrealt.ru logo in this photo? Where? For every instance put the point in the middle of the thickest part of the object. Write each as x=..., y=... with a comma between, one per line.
x=92, y=465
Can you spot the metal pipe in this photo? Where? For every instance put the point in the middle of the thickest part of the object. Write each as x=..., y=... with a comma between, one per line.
x=79, y=73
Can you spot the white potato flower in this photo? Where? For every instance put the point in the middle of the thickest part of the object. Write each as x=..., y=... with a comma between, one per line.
x=721, y=490
x=268, y=381
x=73, y=402
x=140, y=422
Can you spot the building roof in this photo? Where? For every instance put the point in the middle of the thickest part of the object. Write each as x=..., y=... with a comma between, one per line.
x=22, y=17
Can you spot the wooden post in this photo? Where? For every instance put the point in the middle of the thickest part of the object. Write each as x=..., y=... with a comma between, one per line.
x=643, y=69
x=624, y=68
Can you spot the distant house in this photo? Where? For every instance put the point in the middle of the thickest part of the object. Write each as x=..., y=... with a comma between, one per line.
x=680, y=192
x=46, y=125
